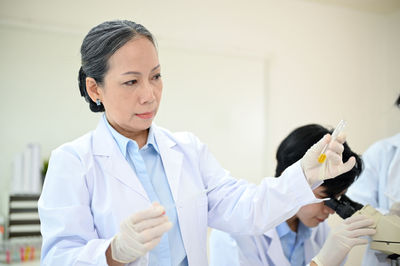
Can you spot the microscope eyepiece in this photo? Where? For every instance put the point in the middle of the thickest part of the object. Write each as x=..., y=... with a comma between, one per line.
x=344, y=206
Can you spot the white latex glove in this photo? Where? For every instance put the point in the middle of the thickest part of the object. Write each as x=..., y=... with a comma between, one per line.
x=343, y=238
x=139, y=234
x=333, y=165
x=395, y=209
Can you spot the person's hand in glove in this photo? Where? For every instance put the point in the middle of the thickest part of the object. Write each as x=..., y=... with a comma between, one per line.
x=333, y=165
x=342, y=239
x=139, y=234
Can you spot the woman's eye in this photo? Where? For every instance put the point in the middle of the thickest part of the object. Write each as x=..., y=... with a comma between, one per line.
x=319, y=196
x=157, y=76
x=131, y=82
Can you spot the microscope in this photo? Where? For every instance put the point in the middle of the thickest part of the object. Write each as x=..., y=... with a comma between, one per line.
x=387, y=237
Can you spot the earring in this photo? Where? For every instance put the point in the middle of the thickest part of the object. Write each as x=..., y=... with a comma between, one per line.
x=98, y=103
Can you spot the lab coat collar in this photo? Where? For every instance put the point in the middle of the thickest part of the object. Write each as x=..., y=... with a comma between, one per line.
x=393, y=181
x=395, y=140
x=123, y=141
x=312, y=244
x=162, y=138
x=111, y=158
x=275, y=248
x=171, y=159
x=102, y=140
x=105, y=146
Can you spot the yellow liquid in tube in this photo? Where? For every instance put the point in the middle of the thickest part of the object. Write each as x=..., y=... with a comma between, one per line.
x=322, y=158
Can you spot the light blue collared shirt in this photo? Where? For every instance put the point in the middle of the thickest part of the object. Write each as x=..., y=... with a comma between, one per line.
x=293, y=243
x=147, y=165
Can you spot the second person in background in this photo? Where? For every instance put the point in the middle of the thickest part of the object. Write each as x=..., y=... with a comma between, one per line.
x=300, y=238
x=379, y=185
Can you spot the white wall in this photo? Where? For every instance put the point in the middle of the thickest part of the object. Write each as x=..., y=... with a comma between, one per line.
x=331, y=64
x=206, y=93
x=286, y=63
x=202, y=93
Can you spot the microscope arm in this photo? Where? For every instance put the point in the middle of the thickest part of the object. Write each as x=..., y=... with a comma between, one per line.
x=387, y=237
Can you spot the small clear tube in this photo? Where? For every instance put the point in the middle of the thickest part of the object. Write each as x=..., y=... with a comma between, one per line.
x=335, y=134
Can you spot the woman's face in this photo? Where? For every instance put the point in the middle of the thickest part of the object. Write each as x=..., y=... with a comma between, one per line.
x=132, y=87
x=313, y=214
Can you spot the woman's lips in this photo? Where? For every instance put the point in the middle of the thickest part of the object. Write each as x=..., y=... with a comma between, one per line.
x=147, y=115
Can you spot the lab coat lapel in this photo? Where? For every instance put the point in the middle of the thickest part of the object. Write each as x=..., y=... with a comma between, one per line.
x=275, y=251
x=314, y=243
x=393, y=179
x=311, y=246
x=171, y=159
x=110, y=157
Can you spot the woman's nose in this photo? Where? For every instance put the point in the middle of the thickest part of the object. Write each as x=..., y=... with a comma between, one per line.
x=147, y=94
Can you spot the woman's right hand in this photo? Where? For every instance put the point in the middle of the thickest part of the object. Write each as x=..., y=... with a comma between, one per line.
x=139, y=234
x=343, y=238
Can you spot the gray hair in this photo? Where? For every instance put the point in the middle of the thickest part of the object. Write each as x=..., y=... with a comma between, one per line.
x=99, y=45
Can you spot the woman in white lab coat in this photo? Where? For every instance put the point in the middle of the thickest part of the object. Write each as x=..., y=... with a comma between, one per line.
x=299, y=239
x=379, y=185
x=132, y=192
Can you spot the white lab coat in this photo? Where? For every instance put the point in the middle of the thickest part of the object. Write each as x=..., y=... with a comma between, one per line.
x=379, y=184
x=90, y=189
x=260, y=250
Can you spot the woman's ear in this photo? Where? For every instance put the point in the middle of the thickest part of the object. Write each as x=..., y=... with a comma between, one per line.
x=93, y=89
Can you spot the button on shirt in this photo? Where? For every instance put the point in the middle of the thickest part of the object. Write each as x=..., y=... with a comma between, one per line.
x=147, y=165
x=293, y=243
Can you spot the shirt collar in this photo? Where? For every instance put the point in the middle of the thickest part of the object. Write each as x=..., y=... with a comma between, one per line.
x=283, y=229
x=303, y=232
x=151, y=140
x=123, y=141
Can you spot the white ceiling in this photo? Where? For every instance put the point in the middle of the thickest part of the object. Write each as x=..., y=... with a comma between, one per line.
x=376, y=6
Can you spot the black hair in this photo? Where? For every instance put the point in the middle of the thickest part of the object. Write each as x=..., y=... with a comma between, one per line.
x=99, y=45
x=398, y=101
x=296, y=144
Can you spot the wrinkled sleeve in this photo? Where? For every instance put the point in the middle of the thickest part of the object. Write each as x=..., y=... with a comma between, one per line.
x=239, y=207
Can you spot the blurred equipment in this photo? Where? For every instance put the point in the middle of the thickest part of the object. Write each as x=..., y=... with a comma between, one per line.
x=344, y=207
x=27, y=179
x=22, y=239
x=387, y=237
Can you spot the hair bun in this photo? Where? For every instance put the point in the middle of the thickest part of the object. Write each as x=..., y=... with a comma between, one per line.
x=82, y=82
